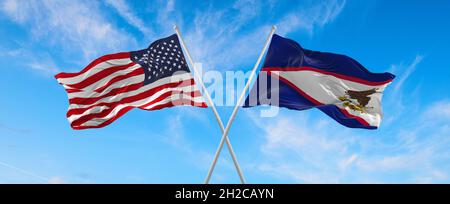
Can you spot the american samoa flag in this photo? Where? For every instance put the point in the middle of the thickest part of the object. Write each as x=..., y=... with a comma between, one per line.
x=336, y=84
x=149, y=79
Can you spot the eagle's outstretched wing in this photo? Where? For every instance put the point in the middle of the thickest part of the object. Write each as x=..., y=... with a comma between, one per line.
x=361, y=96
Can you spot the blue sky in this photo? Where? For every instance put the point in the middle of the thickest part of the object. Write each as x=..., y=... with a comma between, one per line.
x=42, y=38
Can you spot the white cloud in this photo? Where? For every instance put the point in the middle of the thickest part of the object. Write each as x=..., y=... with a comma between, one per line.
x=405, y=72
x=303, y=149
x=40, y=62
x=221, y=37
x=12, y=9
x=438, y=110
x=170, y=5
x=312, y=18
x=395, y=100
x=39, y=178
x=126, y=12
x=75, y=25
x=47, y=67
x=344, y=164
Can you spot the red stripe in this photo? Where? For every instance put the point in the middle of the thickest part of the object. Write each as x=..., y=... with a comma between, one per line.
x=105, y=112
x=315, y=102
x=359, y=119
x=99, y=60
x=123, y=111
x=135, y=72
x=73, y=90
x=102, y=74
x=341, y=76
x=129, y=99
x=132, y=87
x=120, y=113
x=179, y=101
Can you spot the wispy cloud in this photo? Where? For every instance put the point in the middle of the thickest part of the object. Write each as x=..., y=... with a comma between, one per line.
x=310, y=19
x=40, y=62
x=213, y=30
x=306, y=149
x=126, y=12
x=47, y=67
x=396, y=94
x=75, y=25
x=40, y=178
x=405, y=72
x=438, y=110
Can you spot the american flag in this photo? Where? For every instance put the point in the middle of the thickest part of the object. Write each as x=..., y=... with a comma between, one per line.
x=149, y=79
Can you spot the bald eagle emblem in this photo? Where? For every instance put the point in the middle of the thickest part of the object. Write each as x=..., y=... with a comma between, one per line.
x=358, y=100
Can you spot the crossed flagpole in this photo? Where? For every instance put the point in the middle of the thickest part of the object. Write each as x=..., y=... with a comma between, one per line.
x=225, y=130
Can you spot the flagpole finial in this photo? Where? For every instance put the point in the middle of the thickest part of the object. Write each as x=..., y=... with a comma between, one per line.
x=175, y=27
x=274, y=27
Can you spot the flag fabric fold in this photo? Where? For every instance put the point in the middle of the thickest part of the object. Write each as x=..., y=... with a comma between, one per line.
x=336, y=84
x=149, y=79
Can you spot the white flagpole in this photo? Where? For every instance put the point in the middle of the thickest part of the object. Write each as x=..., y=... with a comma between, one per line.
x=238, y=104
x=216, y=114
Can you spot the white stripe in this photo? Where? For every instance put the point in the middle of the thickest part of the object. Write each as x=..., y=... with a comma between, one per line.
x=93, y=94
x=99, y=121
x=197, y=99
x=129, y=81
x=98, y=109
x=174, y=78
x=104, y=80
x=327, y=89
x=99, y=67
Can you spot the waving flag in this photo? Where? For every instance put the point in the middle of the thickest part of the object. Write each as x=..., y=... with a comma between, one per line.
x=110, y=86
x=336, y=84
